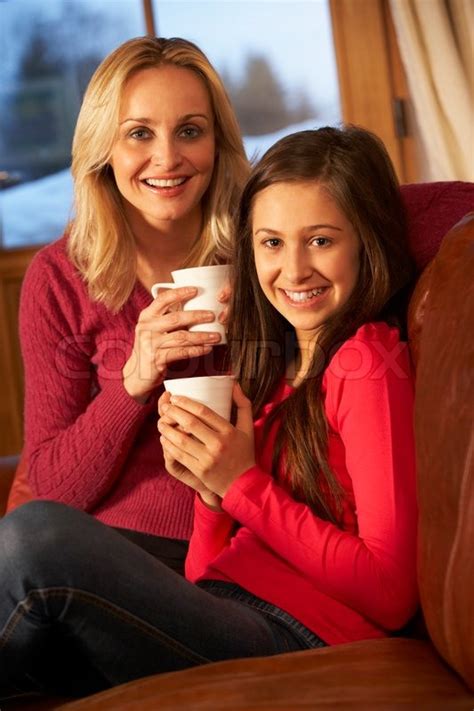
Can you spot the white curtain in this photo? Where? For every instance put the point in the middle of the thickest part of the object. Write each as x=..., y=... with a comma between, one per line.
x=436, y=44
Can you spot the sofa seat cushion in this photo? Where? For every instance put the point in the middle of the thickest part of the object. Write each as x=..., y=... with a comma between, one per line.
x=376, y=674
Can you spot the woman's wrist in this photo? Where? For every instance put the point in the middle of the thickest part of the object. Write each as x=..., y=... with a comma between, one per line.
x=138, y=388
x=138, y=395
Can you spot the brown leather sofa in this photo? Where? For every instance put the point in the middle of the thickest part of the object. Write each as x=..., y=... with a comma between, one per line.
x=433, y=667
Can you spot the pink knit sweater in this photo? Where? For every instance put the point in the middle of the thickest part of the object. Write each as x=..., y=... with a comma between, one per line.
x=89, y=444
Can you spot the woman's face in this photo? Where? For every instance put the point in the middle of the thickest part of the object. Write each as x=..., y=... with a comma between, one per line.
x=163, y=158
x=306, y=253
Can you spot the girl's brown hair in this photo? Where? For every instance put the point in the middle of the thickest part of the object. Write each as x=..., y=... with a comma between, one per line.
x=101, y=243
x=355, y=169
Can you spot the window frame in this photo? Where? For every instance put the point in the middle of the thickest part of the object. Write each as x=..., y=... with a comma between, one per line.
x=372, y=81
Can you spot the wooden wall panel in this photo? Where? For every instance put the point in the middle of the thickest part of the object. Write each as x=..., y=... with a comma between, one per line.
x=13, y=264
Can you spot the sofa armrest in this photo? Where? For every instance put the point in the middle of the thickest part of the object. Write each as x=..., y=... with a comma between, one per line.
x=444, y=443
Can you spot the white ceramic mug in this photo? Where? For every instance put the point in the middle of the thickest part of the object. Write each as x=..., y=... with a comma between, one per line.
x=209, y=282
x=214, y=391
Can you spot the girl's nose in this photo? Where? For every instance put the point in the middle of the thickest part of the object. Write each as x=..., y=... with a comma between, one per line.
x=297, y=266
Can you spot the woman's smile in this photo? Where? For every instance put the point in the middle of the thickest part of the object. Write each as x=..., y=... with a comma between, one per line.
x=163, y=158
x=166, y=187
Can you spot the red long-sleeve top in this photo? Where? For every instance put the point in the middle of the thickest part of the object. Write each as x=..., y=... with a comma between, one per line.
x=357, y=581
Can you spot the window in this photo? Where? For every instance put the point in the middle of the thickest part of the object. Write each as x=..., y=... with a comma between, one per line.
x=276, y=58
x=49, y=52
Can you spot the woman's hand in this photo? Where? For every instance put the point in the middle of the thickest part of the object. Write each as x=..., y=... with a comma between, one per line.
x=224, y=298
x=162, y=337
x=205, y=444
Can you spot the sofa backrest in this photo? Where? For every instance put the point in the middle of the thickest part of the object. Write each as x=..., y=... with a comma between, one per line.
x=443, y=304
x=432, y=209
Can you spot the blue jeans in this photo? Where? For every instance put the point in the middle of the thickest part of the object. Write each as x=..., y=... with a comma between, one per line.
x=82, y=608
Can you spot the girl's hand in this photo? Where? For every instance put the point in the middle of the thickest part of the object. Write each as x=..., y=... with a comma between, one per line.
x=162, y=337
x=205, y=444
x=178, y=471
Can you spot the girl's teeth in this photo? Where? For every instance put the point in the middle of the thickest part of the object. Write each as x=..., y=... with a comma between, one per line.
x=303, y=295
x=164, y=183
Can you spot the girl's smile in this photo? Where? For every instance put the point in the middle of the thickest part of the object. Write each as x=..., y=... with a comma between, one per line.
x=306, y=298
x=306, y=253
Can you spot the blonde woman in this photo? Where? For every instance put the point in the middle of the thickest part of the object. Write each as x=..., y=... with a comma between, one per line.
x=158, y=165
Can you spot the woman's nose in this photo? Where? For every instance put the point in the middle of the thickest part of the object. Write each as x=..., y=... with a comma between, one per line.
x=165, y=153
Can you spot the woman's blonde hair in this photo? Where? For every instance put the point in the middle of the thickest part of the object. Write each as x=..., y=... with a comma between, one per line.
x=101, y=243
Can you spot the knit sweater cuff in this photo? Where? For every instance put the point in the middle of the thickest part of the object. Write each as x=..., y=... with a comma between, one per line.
x=121, y=409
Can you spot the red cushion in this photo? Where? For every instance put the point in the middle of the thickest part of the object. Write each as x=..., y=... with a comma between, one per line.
x=432, y=209
x=20, y=491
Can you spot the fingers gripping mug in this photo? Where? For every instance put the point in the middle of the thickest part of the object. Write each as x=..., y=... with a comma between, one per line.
x=214, y=391
x=209, y=282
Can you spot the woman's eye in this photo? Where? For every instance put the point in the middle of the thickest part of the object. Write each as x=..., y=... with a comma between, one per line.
x=321, y=241
x=139, y=133
x=190, y=132
x=272, y=243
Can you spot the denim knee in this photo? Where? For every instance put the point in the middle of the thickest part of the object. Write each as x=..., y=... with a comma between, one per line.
x=32, y=531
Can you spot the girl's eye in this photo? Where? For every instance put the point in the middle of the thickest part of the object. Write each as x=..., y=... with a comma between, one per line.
x=321, y=241
x=190, y=131
x=139, y=134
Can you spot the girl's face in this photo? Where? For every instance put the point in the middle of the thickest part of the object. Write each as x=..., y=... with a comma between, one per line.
x=164, y=155
x=306, y=253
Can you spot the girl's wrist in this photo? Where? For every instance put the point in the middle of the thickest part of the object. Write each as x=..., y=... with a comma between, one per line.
x=211, y=501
